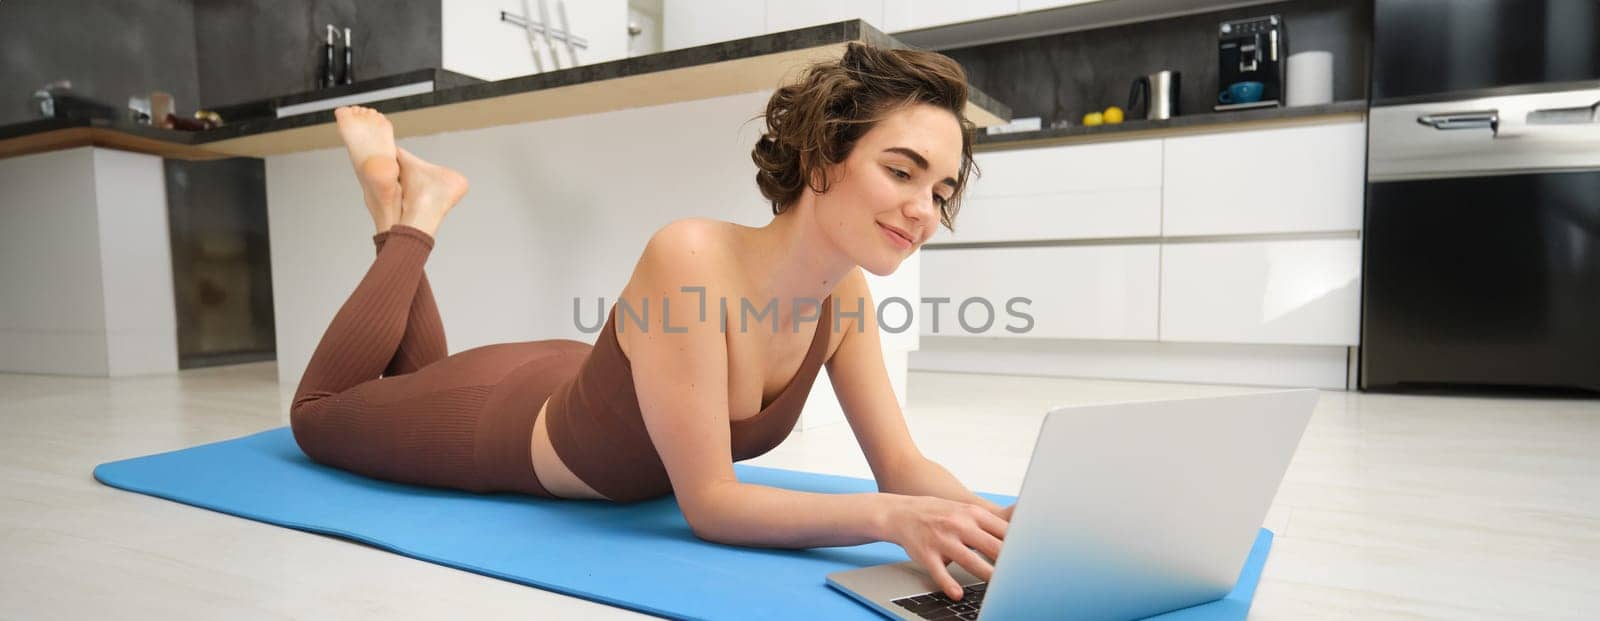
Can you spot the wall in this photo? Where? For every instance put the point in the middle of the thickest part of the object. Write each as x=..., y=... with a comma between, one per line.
x=557, y=210
x=258, y=49
x=203, y=53
x=1066, y=75
x=110, y=51
x=475, y=42
x=83, y=233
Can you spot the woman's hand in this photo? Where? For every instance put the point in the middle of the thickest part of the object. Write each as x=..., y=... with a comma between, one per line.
x=934, y=531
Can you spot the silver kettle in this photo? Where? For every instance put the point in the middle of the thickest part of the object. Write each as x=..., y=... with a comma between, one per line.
x=1154, y=96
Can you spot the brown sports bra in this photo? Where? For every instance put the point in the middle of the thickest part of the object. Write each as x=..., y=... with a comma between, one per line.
x=598, y=431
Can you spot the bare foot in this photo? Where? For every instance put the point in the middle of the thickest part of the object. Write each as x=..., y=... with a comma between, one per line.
x=428, y=191
x=369, y=137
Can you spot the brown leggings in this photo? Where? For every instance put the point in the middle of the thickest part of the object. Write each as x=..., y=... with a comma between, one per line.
x=463, y=421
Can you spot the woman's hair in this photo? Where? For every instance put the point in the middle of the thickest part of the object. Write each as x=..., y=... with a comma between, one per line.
x=816, y=121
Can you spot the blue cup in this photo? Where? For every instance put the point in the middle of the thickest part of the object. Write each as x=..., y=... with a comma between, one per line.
x=1241, y=92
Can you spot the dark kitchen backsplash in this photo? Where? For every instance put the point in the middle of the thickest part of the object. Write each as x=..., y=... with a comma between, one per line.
x=1066, y=75
x=109, y=50
x=260, y=49
x=205, y=53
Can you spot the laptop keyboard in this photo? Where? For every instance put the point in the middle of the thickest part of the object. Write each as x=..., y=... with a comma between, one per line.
x=938, y=606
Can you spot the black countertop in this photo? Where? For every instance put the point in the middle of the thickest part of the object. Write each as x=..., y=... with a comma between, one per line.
x=705, y=54
x=791, y=40
x=268, y=108
x=236, y=113
x=750, y=47
x=40, y=126
x=1201, y=120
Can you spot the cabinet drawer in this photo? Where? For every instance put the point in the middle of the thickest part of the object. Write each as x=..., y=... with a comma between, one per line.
x=1069, y=192
x=901, y=15
x=789, y=15
x=1131, y=212
x=1068, y=169
x=1303, y=292
x=1036, y=5
x=688, y=23
x=1284, y=180
x=1076, y=292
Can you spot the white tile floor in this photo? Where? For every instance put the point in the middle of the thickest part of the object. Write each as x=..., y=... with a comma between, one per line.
x=1395, y=507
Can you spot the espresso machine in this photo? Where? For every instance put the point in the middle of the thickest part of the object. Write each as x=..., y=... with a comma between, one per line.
x=1251, y=54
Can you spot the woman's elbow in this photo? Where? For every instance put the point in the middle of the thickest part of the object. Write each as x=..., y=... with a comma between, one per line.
x=703, y=527
x=702, y=510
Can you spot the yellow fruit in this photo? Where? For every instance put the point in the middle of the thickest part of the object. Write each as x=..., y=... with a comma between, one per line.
x=1093, y=118
x=1113, y=115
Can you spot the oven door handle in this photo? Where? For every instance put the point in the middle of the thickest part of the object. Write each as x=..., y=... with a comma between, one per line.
x=1580, y=115
x=1477, y=119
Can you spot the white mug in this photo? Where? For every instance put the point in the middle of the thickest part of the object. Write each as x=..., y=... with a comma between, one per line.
x=1310, y=78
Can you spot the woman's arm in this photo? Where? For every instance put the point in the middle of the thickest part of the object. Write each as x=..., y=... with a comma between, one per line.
x=925, y=477
x=761, y=516
x=861, y=382
x=681, y=378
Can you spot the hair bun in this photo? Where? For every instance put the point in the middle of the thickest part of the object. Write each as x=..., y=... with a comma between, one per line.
x=813, y=123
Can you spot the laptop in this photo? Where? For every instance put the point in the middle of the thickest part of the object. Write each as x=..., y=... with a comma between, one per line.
x=1127, y=510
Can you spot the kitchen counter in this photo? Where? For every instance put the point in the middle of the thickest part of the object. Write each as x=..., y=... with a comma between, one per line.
x=714, y=70
x=1185, y=124
x=441, y=79
x=44, y=135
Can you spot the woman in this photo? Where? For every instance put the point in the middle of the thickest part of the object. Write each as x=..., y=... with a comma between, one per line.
x=861, y=160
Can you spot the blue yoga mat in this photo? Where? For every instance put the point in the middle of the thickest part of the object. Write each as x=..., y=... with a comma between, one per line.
x=640, y=556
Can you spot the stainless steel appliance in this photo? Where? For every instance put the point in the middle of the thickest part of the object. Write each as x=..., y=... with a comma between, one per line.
x=1251, y=51
x=1482, y=235
x=1154, y=96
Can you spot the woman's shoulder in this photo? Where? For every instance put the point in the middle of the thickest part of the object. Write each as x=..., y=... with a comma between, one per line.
x=696, y=230
x=687, y=263
x=687, y=255
x=690, y=248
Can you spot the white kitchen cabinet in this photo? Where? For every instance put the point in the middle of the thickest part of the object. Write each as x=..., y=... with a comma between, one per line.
x=1035, y=5
x=901, y=15
x=474, y=41
x=791, y=14
x=1300, y=292
x=1129, y=212
x=86, y=237
x=1283, y=180
x=1067, y=169
x=1104, y=190
x=1075, y=292
x=688, y=23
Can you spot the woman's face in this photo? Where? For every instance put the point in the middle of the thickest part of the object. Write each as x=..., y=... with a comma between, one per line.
x=893, y=183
